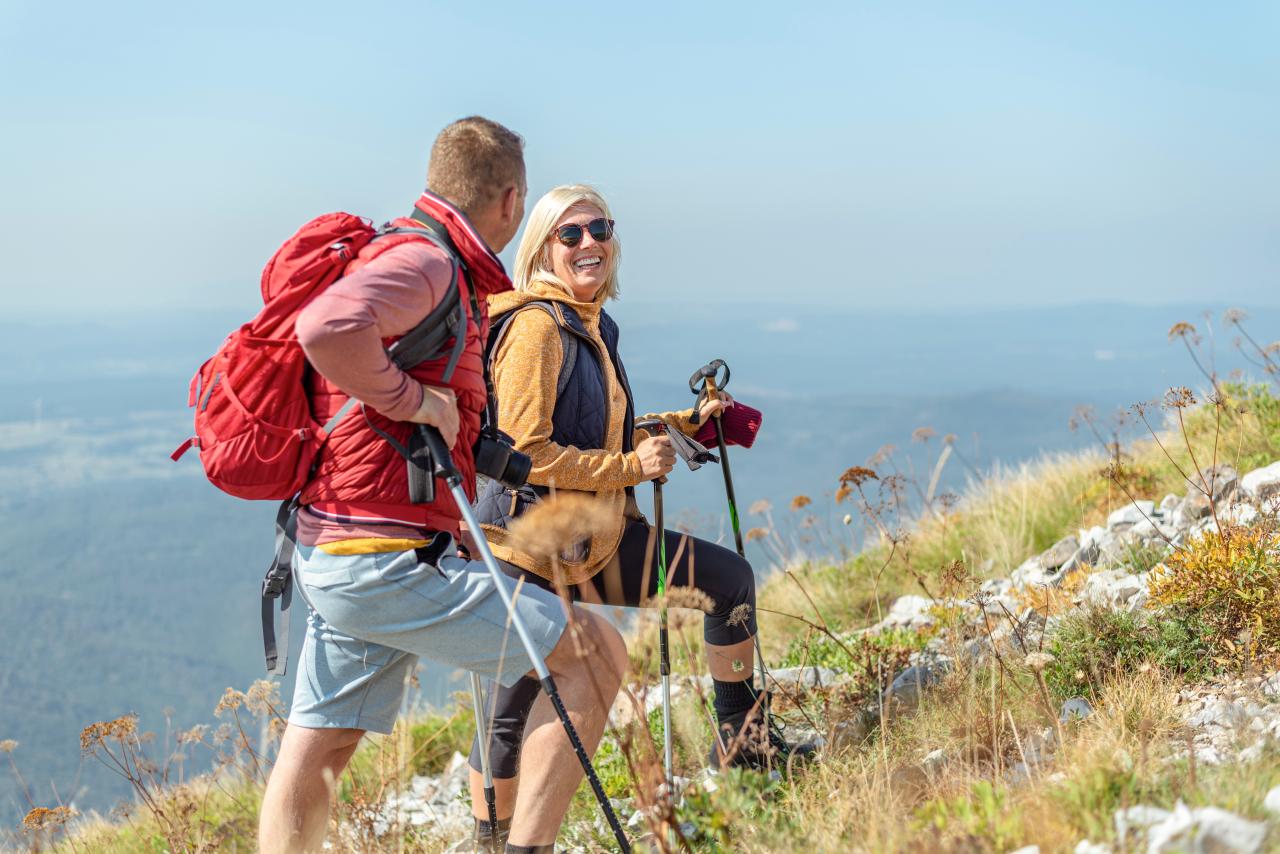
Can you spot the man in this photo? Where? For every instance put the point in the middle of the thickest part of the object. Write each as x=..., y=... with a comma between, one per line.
x=377, y=570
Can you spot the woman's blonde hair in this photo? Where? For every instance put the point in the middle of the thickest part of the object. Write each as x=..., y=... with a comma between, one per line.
x=533, y=257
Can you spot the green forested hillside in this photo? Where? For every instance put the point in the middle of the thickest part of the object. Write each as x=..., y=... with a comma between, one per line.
x=100, y=621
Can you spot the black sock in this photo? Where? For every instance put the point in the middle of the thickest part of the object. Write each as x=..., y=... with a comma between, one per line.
x=734, y=698
x=530, y=849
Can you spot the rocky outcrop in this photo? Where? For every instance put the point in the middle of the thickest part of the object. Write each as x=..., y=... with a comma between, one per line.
x=1207, y=829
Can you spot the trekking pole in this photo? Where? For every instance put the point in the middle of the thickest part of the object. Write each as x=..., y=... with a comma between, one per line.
x=706, y=382
x=445, y=469
x=664, y=654
x=482, y=736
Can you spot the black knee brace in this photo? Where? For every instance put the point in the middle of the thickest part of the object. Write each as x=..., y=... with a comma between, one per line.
x=508, y=712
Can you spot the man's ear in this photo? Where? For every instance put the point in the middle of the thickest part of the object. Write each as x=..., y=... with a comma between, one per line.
x=509, y=198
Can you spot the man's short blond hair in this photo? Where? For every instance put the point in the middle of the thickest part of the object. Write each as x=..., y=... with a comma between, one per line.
x=473, y=161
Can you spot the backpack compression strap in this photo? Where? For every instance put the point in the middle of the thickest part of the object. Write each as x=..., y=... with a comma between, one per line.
x=279, y=585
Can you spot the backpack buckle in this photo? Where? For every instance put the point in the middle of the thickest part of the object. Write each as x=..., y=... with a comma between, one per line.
x=273, y=586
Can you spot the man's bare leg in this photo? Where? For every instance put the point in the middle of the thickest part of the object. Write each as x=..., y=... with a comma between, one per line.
x=295, y=807
x=588, y=672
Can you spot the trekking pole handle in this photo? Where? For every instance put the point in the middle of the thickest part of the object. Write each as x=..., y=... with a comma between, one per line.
x=654, y=427
x=709, y=374
x=441, y=459
x=706, y=382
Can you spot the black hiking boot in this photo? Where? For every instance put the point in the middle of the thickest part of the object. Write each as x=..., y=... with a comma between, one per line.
x=482, y=839
x=749, y=743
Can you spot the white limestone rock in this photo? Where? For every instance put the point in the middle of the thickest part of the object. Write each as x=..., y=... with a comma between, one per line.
x=1272, y=801
x=1114, y=588
x=909, y=611
x=1084, y=846
x=1206, y=829
x=1130, y=515
x=807, y=677
x=1262, y=483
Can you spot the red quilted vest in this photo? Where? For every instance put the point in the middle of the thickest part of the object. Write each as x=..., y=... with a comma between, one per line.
x=359, y=476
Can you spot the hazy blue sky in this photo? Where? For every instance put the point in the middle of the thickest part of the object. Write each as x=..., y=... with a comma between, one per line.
x=909, y=155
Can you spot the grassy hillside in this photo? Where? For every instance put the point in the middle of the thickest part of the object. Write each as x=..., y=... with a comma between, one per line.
x=943, y=718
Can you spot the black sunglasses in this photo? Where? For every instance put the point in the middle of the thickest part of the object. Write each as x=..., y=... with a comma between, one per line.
x=600, y=229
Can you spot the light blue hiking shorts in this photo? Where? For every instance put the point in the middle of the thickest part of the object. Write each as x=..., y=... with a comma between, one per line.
x=372, y=615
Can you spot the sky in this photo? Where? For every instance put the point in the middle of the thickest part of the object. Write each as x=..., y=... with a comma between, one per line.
x=931, y=155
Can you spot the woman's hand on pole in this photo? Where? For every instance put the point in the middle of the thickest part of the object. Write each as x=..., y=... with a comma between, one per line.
x=439, y=409
x=657, y=457
x=714, y=407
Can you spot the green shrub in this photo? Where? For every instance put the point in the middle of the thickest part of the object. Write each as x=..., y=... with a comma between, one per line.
x=742, y=801
x=1090, y=644
x=1229, y=580
x=979, y=819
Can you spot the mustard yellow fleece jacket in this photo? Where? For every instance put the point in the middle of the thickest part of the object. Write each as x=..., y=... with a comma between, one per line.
x=525, y=369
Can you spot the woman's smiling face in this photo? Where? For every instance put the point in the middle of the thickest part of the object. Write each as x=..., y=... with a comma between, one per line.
x=584, y=267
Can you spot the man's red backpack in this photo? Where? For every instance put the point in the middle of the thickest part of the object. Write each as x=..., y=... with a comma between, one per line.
x=253, y=423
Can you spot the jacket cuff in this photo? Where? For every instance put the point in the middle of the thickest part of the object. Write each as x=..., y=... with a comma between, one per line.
x=408, y=404
x=631, y=468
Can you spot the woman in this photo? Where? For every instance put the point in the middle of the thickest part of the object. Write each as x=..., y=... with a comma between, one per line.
x=575, y=421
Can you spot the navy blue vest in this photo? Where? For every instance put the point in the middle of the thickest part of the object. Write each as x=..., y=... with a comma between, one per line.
x=581, y=413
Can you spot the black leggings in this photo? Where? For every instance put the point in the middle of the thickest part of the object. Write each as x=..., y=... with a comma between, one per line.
x=724, y=576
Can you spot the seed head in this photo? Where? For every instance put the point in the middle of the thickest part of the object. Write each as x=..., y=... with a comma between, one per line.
x=1179, y=397
x=882, y=454
x=42, y=818
x=923, y=434
x=262, y=697
x=119, y=729
x=558, y=522
x=1038, y=661
x=739, y=615
x=858, y=475
x=231, y=700
x=689, y=597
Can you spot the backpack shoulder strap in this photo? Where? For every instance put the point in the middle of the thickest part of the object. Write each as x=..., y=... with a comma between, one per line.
x=568, y=341
x=449, y=317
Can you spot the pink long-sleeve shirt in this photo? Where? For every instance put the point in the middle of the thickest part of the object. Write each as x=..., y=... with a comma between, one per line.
x=342, y=331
